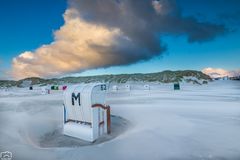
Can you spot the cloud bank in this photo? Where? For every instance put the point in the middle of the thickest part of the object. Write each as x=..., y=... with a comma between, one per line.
x=107, y=33
x=219, y=72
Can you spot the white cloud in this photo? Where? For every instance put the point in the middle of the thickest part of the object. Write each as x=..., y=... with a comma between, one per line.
x=157, y=6
x=69, y=52
x=219, y=72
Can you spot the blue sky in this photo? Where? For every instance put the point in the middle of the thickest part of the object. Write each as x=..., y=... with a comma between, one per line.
x=27, y=25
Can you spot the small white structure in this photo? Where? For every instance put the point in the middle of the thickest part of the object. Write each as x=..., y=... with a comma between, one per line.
x=114, y=88
x=86, y=116
x=146, y=87
x=44, y=90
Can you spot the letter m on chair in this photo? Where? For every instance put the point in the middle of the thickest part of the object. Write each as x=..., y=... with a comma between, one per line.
x=76, y=98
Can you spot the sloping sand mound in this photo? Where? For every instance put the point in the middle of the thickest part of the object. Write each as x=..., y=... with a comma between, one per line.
x=57, y=139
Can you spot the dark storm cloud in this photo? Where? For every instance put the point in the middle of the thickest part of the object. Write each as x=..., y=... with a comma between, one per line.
x=139, y=21
x=232, y=18
x=220, y=11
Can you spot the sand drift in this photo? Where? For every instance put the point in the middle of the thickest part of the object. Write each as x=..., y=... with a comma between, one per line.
x=57, y=139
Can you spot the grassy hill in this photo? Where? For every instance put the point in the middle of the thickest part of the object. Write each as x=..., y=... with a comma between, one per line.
x=163, y=77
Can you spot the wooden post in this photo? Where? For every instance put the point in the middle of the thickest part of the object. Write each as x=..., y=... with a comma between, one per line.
x=108, y=120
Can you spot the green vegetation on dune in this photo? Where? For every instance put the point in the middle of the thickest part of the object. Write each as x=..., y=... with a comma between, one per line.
x=163, y=77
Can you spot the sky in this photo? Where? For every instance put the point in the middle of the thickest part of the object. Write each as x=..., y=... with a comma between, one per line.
x=76, y=38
